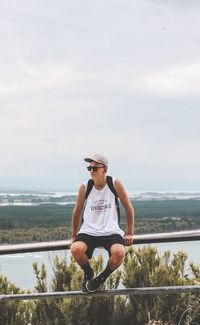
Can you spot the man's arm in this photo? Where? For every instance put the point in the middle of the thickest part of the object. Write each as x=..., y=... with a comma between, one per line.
x=128, y=237
x=77, y=210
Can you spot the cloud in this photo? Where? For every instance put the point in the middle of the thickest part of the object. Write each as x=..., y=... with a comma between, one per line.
x=177, y=82
x=32, y=77
x=121, y=78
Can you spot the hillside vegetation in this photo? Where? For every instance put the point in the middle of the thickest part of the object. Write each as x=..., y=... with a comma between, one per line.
x=53, y=221
x=143, y=267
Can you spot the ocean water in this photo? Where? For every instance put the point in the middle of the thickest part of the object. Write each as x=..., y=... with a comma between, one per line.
x=18, y=267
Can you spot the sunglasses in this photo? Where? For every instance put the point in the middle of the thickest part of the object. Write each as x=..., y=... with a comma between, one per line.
x=94, y=168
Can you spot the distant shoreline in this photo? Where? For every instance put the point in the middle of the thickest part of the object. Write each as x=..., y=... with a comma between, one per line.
x=35, y=199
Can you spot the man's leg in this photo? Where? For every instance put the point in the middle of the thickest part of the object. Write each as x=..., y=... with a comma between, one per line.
x=117, y=254
x=78, y=250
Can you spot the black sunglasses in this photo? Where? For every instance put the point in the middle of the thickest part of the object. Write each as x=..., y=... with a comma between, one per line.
x=94, y=168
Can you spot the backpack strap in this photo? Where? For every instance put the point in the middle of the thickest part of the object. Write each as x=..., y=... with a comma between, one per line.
x=90, y=185
x=109, y=181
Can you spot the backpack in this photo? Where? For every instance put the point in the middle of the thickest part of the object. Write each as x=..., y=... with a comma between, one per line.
x=109, y=181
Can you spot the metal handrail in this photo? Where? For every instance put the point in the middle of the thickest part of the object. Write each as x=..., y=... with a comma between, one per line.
x=179, y=236
x=113, y=292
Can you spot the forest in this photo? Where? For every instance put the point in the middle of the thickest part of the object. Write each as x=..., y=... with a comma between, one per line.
x=47, y=222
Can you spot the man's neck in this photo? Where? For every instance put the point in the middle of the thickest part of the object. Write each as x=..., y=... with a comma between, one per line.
x=100, y=183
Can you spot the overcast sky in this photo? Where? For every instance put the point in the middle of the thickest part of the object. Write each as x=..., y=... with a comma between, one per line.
x=117, y=77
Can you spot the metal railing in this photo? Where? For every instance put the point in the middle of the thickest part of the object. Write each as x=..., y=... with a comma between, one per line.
x=113, y=292
x=64, y=244
x=179, y=236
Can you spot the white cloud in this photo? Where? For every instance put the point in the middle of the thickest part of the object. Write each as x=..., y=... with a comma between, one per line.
x=32, y=77
x=178, y=82
x=108, y=76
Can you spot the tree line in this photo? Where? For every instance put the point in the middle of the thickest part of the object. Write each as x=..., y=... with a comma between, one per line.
x=50, y=215
x=21, y=224
x=24, y=235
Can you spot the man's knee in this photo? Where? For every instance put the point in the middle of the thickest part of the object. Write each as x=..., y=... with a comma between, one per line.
x=118, y=251
x=78, y=248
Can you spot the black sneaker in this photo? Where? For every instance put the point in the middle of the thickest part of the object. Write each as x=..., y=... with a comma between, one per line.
x=94, y=284
x=85, y=280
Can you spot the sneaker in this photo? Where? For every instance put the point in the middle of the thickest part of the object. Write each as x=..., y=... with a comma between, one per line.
x=94, y=284
x=85, y=280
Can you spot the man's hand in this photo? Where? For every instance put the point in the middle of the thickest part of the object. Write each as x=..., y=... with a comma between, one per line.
x=128, y=239
x=71, y=241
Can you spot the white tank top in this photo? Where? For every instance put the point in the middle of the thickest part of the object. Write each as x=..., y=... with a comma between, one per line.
x=100, y=216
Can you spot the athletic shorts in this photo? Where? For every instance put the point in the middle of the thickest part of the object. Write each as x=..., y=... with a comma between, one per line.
x=93, y=242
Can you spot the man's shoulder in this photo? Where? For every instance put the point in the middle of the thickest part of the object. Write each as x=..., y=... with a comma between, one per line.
x=85, y=182
x=113, y=179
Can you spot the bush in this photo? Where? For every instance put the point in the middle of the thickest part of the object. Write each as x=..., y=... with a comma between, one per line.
x=142, y=267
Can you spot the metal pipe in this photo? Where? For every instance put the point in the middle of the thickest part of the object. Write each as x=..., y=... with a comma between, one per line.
x=114, y=292
x=191, y=235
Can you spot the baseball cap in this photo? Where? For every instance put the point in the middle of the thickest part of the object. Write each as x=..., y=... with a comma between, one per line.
x=97, y=158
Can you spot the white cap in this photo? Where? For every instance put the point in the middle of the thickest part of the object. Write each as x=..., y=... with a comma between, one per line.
x=97, y=158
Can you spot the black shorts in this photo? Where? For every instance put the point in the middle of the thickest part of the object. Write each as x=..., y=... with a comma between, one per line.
x=93, y=242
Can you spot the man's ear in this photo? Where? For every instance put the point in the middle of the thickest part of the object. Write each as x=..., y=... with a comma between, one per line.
x=105, y=169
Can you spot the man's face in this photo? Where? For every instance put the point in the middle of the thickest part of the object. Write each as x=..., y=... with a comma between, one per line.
x=97, y=169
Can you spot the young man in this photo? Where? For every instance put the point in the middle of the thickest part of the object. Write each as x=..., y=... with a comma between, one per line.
x=100, y=227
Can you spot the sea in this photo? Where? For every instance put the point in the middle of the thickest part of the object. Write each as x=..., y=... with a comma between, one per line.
x=18, y=268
